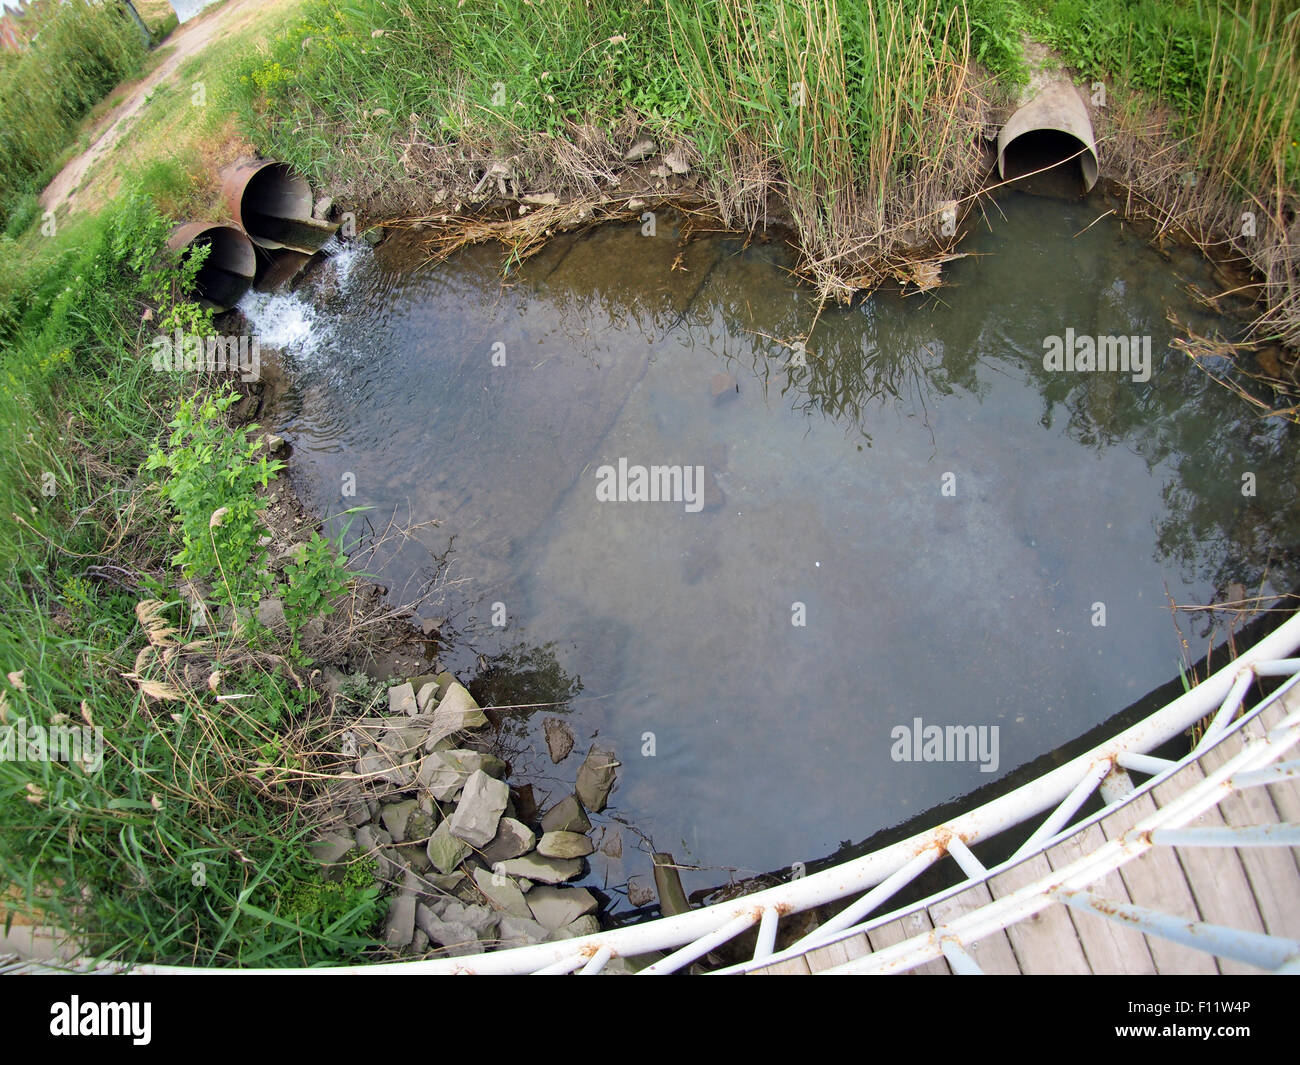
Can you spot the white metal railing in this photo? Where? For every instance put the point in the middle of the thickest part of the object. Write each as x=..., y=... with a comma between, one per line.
x=875, y=878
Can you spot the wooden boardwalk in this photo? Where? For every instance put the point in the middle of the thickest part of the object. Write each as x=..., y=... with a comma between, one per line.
x=1252, y=889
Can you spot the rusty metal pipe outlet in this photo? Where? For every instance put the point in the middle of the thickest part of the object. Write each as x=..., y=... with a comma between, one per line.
x=231, y=264
x=272, y=201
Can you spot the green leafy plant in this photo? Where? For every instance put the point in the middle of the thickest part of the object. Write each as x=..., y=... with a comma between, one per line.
x=335, y=914
x=212, y=478
x=318, y=576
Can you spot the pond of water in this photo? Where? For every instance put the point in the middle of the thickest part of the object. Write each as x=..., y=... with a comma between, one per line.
x=911, y=521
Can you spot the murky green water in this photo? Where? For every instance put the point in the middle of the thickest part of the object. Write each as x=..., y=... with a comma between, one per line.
x=1070, y=492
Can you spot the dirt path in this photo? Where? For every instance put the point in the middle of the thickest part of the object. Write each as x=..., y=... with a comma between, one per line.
x=184, y=42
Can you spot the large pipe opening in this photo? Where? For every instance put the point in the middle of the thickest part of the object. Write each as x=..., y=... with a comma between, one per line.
x=1047, y=146
x=272, y=202
x=228, y=271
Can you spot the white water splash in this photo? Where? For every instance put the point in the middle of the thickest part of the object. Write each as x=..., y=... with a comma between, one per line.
x=300, y=327
x=285, y=321
x=344, y=258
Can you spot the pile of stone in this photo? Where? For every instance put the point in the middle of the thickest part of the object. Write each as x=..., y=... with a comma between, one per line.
x=472, y=865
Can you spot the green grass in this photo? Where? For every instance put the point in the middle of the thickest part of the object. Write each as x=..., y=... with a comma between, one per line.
x=1231, y=71
x=80, y=53
x=187, y=845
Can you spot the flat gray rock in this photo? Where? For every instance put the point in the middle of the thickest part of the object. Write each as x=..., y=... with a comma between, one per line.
x=444, y=773
x=400, y=927
x=564, y=845
x=518, y=932
x=586, y=925
x=445, y=850
x=478, y=813
x=395, y=816
x=333, y=847
x=542, y=870
x=458, y=708
x=567, y=815
x=513, y=838
x=503, y=893
x=555, y=907
x=401, y=700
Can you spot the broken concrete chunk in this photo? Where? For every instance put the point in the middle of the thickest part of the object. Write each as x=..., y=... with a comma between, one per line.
x=567, y=815
x=556, y=907
x=564, y=845
x=482, y=802
x=542, y=869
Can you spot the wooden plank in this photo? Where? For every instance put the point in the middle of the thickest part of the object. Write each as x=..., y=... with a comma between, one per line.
x=1047, y=942
x=834, y=954
x=1156, y=880
x=1286, y=796
x=790, y=967
x=993, y=954
x=1111, y=948
x=1271, y=870
x=1215, y=876
x=910, y=924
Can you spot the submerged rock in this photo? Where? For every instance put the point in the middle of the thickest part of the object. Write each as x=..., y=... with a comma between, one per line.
x=596, y=778
x=722, y=387
x=559, y=739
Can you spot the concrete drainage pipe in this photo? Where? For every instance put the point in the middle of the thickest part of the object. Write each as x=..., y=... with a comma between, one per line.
x=1051, y=133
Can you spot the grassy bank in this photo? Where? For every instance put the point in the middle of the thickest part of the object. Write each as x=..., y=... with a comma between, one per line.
x=186, y=843
x=76, y=56
x=859, y=122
